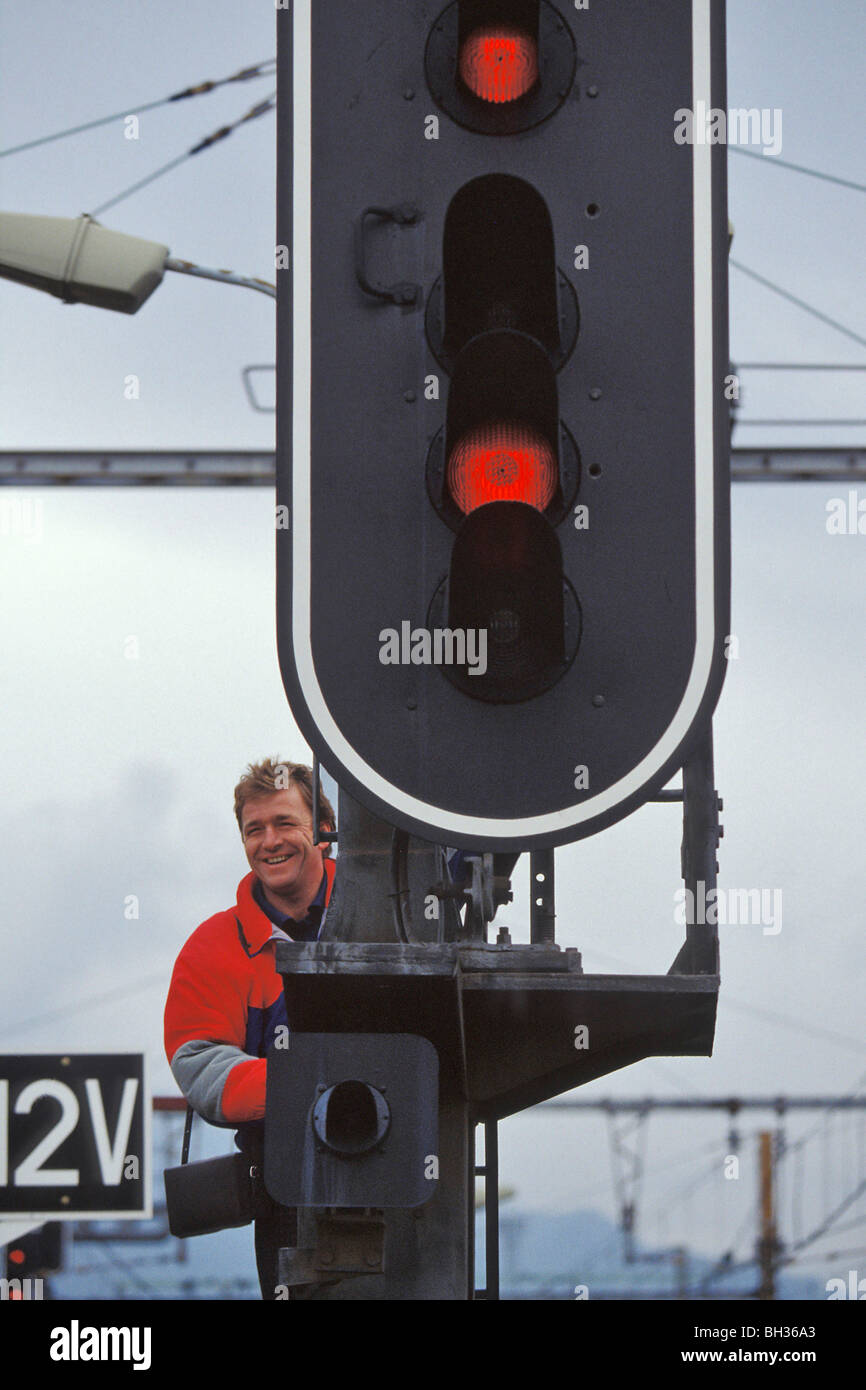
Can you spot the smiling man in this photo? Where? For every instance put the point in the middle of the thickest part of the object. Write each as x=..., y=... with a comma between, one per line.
x=225, y=1001
x=289, y=876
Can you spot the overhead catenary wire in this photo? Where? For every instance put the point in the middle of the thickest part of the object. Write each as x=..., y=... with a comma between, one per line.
x=841, y=1255
x=797, y=1182
x=677, y=1192
x=827, y=1224
x=664, y=1165
x=73, y=1010
x=799, y=168
x=800, y=303
x=728, y=1263
x=669, y=1075
x=849, y=420
x=725, y=1263
x=781, y=1020
x=263, y=69
x=801, y=366
x=113, y=1258
x=771, y=1015
x=821, y=1130
x=820, y=1124
x=142, y=183
x=260, y=109
x=851, y=1225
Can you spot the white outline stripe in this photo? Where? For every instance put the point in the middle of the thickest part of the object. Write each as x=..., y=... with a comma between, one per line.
x=441, y=820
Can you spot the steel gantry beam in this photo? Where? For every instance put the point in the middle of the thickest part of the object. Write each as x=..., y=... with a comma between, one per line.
x=255, y=467
x=732, y=1104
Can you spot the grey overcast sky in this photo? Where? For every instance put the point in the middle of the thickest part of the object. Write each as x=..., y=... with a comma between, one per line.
x=119, y=757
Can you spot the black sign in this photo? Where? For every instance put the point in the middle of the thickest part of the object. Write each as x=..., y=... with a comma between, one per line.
x=74, y=1138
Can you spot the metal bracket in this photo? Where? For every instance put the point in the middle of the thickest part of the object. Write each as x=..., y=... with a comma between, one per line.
x=699, y=954
x=348, y=1244
x=403, y=293
x=480, y=908
x=542, y=896
x=246, y=375
x=487, y=890
x=320, y=835
x=479, y=896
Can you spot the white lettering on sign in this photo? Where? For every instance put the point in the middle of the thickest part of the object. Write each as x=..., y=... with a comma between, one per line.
x=111, y=1151
x=111, y=1154
x=30, y=1172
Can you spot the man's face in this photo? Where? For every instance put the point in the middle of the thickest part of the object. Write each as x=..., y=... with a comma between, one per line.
x=278, y=840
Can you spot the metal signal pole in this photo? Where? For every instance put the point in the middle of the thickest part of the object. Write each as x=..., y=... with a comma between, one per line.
x=767, y=1244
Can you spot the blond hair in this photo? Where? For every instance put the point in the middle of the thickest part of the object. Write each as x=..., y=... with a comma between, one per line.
x=271, y=775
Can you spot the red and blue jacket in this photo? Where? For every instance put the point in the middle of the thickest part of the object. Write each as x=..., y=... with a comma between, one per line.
x=224, y=1005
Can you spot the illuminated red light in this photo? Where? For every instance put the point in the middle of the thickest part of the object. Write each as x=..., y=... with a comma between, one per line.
x=16, y=1257
x=503, y=462
x=499, y=64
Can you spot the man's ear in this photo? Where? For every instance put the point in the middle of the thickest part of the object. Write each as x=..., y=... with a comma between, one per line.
x=325, y=845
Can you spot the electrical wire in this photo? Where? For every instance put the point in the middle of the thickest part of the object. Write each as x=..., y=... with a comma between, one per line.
x=142, y=183
x=797, y=1183
x=96, y=999
x=819, y=1124
x=823, y=423
x=799, y=168
x=677, y=1193
x=669, y=1075
x=781, y=1020
x=728, y=1264
x=225, y=277
x=664, y=1165
x=822, y=1129
x=263, y=69
x=852, y=1225
x=800, y=303
x=802, y=367
x=610, y=1243
x=260, y=109
x=120, y=1263
x=827, y=1224
x=840, y=1255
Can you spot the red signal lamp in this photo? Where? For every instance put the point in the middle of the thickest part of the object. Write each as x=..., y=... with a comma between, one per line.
x=499, y=63
x=500, y=67
x=505, y=461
